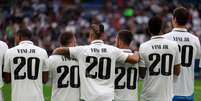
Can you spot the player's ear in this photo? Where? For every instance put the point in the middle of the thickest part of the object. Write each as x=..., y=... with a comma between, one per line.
x=173, y=21
x=116, y=41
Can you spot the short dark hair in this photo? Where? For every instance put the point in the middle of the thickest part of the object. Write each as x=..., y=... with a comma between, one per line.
x=155, y=25
x=25, y=33
x=66, y=38
x=181, y=14
x=126, y=36
x=98, y=29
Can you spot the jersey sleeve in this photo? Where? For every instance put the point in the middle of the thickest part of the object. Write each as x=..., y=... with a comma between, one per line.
x=3, y=51
x=199, y=53
x=7, y=65
x=141, y=62
x=177, y=56
x=45, y=64
x=142, y=56
x=121, y=56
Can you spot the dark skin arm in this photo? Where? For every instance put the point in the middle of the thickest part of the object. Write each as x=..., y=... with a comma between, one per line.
x=142, y=72
x=200, y=72
x=45, y=77
x=177, y=69
x=7, y=77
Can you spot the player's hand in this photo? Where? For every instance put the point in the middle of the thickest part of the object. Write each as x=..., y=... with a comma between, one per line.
x=61, y=51
x=137, y=55
x=135, y=58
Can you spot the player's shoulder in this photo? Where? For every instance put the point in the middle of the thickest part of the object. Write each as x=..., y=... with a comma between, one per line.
x=146, y=43
x=39, y=49
x=194, y=37
x=3, y=44
x=111, y=47
x=54, y=57
x=169, y=41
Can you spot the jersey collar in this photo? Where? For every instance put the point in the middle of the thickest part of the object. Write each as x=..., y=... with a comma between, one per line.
x=127, y=50
x=26, y=42
x=97, y=41
x=180, y=29
x=157, y=37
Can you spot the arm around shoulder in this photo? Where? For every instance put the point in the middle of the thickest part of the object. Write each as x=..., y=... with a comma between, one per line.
x=133, y=58
x=62, y=51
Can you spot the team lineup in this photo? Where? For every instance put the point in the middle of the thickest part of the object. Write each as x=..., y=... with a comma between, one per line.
x=102, y=72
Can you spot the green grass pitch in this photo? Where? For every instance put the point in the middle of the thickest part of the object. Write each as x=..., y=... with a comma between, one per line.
x=47, y=91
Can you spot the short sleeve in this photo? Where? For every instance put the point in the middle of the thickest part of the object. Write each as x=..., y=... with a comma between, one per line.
x=45, y=64
x=7, y=65
x=121, y=56
x=4, y=48
x=177, y=56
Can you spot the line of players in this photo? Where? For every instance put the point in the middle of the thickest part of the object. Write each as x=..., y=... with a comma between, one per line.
x=100, y=72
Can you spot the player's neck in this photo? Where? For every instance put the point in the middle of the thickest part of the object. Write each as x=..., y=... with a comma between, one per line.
x=67, y=46
x=96, y=39
x=179, y=26
x=123, y=47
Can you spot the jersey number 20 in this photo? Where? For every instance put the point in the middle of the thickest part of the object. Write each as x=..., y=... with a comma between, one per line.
x=101, y=62
x=31, y=62
x=131, y=75
x=164, y=64
x=72, y=72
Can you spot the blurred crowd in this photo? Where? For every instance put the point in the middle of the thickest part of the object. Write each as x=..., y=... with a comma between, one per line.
x=48, y=18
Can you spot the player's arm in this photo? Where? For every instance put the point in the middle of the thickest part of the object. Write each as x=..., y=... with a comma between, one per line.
x=177, y=69
x=133, y=58
x=7, y=68
x=142, y=68
x=62, y=51
x=200, y=72
x=142, y=72
x=177, y=62
x=45, y=69
x=45, y=76
x=7, y=77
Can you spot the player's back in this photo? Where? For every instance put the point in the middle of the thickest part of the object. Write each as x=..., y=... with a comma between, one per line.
x=97, y=70
x=126, y=81
x=190, y=50
x=26, y=62
x=160, y=56
x=65, y=80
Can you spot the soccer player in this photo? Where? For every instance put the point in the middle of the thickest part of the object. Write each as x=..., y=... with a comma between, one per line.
x=25, y=66
x=4, y=48
x=189, y=46
x=97, y=65
x=126, y=82
x=64, y=73
x=162, y=60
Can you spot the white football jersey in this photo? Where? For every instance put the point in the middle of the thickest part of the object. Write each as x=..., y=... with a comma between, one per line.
x=189, y=50
x=126, y=82
x=160, y=55
x=26, y=62
x=4, y=48
x=97, y=69
x=65, y=79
